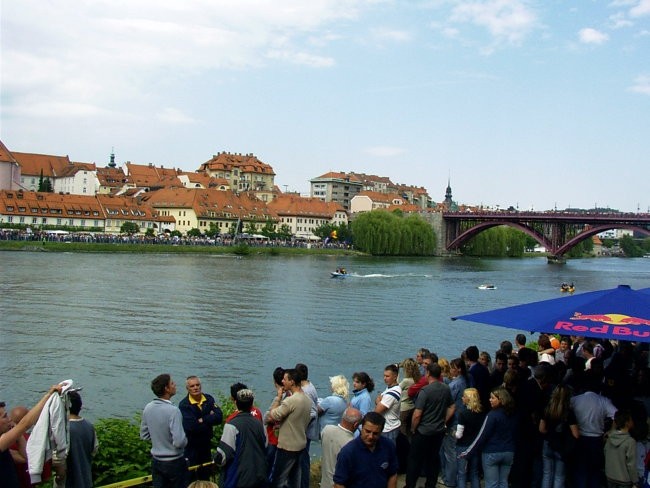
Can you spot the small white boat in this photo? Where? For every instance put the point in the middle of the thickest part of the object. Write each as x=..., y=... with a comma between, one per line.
x=339, y=273
x=487, y=287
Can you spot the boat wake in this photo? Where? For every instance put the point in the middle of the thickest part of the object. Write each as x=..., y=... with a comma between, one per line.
x=381, y=275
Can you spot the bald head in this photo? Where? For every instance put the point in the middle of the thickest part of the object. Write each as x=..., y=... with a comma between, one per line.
x=17, y=413
x=351, y=418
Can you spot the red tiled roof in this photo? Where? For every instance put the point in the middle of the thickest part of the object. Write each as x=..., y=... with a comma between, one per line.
x=32, y=164
x=304, y=206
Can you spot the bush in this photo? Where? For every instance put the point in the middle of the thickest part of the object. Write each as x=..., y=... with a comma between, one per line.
x=122, y=455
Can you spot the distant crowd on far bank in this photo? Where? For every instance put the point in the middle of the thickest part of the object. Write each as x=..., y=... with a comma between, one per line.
x=164, y=239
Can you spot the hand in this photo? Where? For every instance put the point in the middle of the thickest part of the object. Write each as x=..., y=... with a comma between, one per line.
x=59, y=470
x=53, y=388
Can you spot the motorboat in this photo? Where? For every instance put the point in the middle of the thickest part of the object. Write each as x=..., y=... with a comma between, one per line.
x=339, y=273
x=487, y=286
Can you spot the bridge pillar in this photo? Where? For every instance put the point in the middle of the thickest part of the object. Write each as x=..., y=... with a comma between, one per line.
x=439, y=227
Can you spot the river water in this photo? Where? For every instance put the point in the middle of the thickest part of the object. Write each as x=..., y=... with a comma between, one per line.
x=112, y=322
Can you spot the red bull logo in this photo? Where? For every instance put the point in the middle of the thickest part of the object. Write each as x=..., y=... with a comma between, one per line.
x=615, y=324
x=612, y=319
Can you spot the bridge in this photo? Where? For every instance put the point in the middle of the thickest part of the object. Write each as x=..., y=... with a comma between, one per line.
x=557, y=231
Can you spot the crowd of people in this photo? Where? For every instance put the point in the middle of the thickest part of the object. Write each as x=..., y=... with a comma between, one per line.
x=573, y=412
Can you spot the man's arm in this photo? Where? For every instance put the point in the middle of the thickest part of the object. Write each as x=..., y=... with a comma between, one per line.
x=392, y=481
x=179, y=439
x=415, y=420
x=451, y=409
x=215, y=416
x=336, y=485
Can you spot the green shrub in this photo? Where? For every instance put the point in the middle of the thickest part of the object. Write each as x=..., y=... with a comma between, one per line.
x=122, y=455
x=241, y=250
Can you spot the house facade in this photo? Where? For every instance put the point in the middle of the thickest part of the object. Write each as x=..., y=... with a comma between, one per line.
x=303, y=215
x=244, y=173
x=336, y=187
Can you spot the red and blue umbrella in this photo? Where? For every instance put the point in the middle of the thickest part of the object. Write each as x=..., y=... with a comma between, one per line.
x=618, y=313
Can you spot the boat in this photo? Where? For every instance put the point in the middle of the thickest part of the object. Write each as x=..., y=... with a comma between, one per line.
x=487, y=286
x=567, y=288
x=339, y=273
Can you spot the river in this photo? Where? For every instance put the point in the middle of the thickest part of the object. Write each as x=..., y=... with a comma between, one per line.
x=112, y=322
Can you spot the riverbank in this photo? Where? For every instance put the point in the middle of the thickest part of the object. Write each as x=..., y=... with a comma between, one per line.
x=93, y=247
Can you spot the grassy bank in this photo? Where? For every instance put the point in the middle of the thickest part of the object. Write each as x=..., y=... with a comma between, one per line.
x=164, y=248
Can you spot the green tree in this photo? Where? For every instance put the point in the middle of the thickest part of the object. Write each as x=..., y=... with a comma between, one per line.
x=150, y=232
x=385, y=233
x=630, y=248
x=176, y=233
x=194, y=232
x=129, y=228
x=269, y=230
x=284, y=232
x=44, y=184
x=213, y=231
x=250, y=228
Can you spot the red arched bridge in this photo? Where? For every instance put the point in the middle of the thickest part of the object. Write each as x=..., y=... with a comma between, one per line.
x=556, y=231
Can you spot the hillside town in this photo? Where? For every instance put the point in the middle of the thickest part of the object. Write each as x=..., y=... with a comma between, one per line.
x=228, y=192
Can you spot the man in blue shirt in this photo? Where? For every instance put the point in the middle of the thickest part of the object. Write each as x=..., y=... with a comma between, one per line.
x=162, y=424
x=370, y=460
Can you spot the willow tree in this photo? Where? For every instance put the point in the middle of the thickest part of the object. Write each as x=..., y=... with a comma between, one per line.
x=497, y=242
x=383, y=233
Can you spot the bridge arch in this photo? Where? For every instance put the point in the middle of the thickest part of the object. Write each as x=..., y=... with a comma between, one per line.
x=477, y=229
x=592, y=231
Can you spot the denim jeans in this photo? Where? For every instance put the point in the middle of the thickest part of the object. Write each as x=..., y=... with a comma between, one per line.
x=286, y=473
x=449, y=464
x=590, y=461
x=467, y=468
x=392, y=435
x=496, y=468
x=169, y=474
x=553, y=474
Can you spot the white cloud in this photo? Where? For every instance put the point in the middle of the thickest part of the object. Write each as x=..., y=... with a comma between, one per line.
x=506, y=20
x=392, y=35
x=174, y=116
x=302, y=58
x=618, y=21
x=592, y=36
x=641, y=9
x=384, y=151
x=100, y=55
x=641, y=85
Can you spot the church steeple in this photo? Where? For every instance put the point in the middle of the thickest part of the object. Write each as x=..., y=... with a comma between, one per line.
x=112, y=163
x=448, y=200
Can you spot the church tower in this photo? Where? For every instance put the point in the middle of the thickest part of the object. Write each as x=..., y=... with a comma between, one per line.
x=448, y=200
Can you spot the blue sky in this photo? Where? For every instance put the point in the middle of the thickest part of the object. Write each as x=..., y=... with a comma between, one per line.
x=529, y=103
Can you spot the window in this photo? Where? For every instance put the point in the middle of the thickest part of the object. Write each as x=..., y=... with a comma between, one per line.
x=10, y=208
x=58, y=221
x=96, y=223
x=83, y=222
x=44, y=220
x=34, y=220
x=70, y=222
x=21, y=209
x=10, y=219
x=34, y=210
x=22, y=220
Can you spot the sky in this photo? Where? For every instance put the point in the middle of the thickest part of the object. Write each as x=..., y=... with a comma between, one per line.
x=535, y=104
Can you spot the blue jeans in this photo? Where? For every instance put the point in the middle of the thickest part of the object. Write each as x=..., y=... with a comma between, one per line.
x=553, y=473
x=449, y=464
x=496, y=468
x=392, y=435
x=467, y=467
x=169, y=474
x=286, y=472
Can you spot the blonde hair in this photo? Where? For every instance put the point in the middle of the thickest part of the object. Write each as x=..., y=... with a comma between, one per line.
x=444, y=367
x=202, y=484
x=340, y=385
x=411, y=369
x=473, y=400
